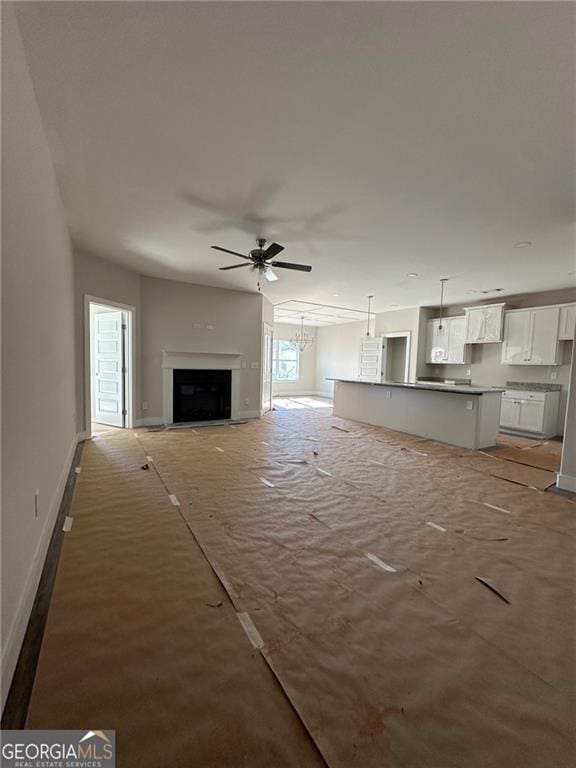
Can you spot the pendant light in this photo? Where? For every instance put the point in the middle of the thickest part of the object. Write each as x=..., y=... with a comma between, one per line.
x=443, y=282
x=368, y=316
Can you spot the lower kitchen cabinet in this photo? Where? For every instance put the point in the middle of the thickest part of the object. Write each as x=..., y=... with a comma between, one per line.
x=533, y=412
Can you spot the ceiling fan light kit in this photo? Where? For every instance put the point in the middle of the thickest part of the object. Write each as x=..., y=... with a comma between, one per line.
x=260, y=259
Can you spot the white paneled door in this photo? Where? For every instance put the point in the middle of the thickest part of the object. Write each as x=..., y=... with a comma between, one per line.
x=267, y=345
x=109, y=368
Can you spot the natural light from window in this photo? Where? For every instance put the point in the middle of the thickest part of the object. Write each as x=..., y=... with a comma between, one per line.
x=286, y=360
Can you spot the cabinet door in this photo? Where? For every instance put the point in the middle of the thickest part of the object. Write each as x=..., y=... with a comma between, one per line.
x=509, y=413
x=475, y=325
x=567, y=323
x=492, y=331
x=437, y=346
x=531, y=415
x=516, y=347
x=456, y=339
x=544, y=336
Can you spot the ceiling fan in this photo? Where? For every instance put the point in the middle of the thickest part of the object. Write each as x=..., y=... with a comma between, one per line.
x=260, y=259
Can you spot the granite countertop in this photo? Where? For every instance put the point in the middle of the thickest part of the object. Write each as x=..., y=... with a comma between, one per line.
x=532, y=386
x=453, y=388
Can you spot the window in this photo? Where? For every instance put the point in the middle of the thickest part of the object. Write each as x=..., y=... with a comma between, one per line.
x=285, y=361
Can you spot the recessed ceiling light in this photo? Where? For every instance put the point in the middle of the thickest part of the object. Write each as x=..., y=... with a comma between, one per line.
x=412, y=274
x=335, y=295
x=523, y=244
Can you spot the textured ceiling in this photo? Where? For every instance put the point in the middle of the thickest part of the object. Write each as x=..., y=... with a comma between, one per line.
x=371, y=139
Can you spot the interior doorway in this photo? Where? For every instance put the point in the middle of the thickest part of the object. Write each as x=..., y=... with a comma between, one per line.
x=109, y=329
x=396, y=351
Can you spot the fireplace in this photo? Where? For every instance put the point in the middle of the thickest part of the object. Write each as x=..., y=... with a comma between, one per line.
x=201, y=395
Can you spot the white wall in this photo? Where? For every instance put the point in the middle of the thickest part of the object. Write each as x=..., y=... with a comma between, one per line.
x=306, y=384
x=337, y=354
x=170, y=313
x=38, y=395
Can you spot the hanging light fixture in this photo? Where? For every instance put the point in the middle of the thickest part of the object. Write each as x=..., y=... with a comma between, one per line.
x=443, y=281
x=368, y=316
x=302, y=338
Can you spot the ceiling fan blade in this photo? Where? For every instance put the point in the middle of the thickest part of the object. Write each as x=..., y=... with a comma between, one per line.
x=234, y=266
x=225, y=250
x=269, y=275
x=272, y=250
x=288, y=265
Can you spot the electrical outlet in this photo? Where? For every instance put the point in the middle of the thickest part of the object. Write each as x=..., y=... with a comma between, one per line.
x=468, y=371
x=246, y=401
x=253, y=365
x=209, y=326
x=144, y=405
x=469, y=405
x=197, y=325
x=388, y=393
x=554, y=375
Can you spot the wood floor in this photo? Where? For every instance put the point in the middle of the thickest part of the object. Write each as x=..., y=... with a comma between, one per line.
x=301, y=591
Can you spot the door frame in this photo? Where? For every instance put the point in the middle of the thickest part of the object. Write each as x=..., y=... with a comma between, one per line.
x=267, y=326
x=400, y=335
x=129, y=382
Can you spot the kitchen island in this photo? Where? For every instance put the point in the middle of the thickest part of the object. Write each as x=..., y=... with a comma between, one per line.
x=461, y=415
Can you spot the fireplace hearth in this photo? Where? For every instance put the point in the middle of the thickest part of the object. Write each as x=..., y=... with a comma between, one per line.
x=201, y=395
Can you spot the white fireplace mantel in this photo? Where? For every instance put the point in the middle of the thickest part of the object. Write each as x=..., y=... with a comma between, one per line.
x=214, y=361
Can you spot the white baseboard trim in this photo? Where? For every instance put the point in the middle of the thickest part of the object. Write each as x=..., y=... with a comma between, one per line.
x=149, y=421
x=249, y=414
x=566, y=482
x=11, y=649
x=157, y=421
x=300, y=393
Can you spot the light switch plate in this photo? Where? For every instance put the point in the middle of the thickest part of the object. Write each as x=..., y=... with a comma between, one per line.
x=469, y=405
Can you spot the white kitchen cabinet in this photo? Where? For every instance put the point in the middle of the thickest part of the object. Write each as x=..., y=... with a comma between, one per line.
x=484, y=324
x=446, y=341
x=567, y=322
x=534, y=412
x=531, y=337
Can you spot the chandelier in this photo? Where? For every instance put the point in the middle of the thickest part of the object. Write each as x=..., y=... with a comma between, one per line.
x=302, y=338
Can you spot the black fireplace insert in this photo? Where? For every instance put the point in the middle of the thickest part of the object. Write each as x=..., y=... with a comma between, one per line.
x=201, y=395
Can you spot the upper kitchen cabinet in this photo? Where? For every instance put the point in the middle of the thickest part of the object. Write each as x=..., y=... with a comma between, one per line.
x=567, y=322
x=446, y=341
x=484, y=324
x=531, y=336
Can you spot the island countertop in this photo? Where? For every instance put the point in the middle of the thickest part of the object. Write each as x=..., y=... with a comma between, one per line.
x=460, y=389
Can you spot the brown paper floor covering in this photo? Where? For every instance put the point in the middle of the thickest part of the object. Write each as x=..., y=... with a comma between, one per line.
x=142, y=638
x=405, y=661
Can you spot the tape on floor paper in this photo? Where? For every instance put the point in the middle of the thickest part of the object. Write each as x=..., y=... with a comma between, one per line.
x=150, y=459
x=498, y=509
x=67, y=524
x=174, y=500
x=251, y=631
x=324, y=472
x=220, y=450
x=435, y=525
x=380, y=563
x=78, y=470
x=266, y=482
